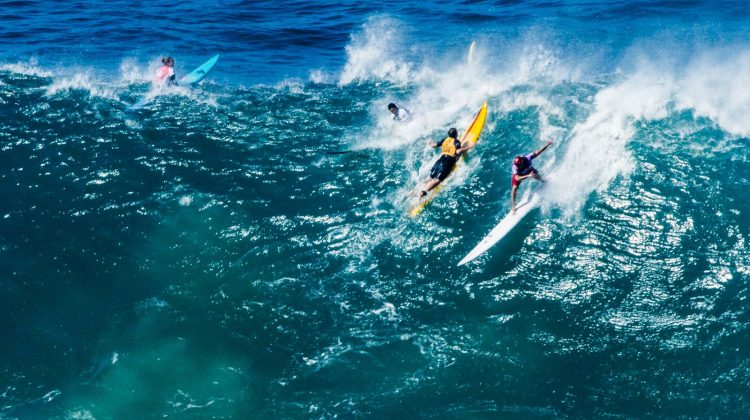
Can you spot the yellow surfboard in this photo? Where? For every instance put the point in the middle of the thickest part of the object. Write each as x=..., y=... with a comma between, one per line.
x=471, y=135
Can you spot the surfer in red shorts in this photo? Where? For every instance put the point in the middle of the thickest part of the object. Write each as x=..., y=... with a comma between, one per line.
x=522, y=169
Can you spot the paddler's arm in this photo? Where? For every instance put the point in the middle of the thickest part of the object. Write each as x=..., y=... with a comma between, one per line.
x=513, y=198
x=435, y=143
x=461, y=150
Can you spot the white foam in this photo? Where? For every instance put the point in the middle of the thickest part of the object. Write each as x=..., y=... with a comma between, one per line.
x=131, y=71
x=30, y=68
x=292, y=85
x=321, y=76
x=596, y=151
x=199, y=96
x=81, y=81
x=447, y=88
x=711, y=84
x=376, y=53
x=186, y=200
x=715, y=85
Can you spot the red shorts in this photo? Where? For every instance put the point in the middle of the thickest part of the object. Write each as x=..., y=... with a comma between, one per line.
x=514, y=179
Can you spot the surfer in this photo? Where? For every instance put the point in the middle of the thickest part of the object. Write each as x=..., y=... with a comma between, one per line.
x=451, y=150
x=399, y=114
x=166, y=72
x=522, y=169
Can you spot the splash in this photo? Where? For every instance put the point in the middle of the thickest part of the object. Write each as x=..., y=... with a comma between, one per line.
x=715, y=86
x=81, y=81
x=711, y=85
x=596, y=152
x=320, y=76
x=30, y=68
x=132, y=72
x=376, y=53
x=442, y=96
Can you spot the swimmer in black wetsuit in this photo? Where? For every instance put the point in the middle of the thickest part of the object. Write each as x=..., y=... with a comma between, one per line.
x=451, y=150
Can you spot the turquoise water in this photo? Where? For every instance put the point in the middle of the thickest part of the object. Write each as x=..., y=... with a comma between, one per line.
x=213, y=255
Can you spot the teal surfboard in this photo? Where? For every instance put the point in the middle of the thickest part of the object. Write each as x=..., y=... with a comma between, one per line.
x=194, y=76
x=199, y=73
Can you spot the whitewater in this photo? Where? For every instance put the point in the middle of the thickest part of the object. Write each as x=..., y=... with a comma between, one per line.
x=242, y=249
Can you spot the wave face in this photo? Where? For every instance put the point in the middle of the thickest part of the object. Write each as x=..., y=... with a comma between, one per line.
x=241, y=248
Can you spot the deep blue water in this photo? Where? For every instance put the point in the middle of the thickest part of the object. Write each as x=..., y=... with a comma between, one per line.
x=208, y=256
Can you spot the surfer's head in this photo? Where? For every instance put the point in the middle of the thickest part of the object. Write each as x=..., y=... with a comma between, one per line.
x=453, y=133
x=168, y=61
x=520, y=161
x=392, y=107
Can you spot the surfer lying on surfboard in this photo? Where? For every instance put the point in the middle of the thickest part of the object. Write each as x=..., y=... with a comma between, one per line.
x=521, y=170
x=451, y=150
x=166, y=72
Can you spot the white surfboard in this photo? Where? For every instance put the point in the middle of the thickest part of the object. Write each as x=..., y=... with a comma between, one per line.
x=529, y=202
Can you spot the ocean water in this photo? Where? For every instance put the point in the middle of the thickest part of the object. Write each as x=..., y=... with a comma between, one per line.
x=213, y=255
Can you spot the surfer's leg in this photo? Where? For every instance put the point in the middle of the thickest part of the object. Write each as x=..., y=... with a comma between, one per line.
x=446, y=166
x=431, y=184
x=435, y=174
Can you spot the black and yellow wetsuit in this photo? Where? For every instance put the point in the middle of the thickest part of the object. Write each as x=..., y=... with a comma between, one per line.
x=443, y=166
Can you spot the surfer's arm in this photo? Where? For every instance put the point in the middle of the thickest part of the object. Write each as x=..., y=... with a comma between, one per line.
x=461, y=150
x=543, y=148
x=522, y=177
x=513, y=199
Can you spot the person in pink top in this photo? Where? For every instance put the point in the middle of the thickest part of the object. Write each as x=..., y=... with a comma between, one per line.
x=521, y=170
x=166, y=72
